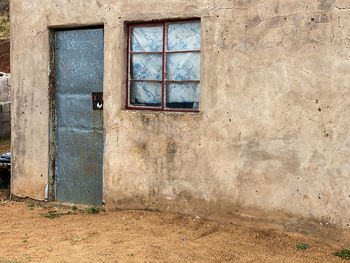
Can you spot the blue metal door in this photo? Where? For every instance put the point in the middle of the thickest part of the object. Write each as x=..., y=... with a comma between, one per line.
x=79, y=139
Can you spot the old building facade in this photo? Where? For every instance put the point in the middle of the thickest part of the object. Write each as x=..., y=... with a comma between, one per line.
x=258, y=119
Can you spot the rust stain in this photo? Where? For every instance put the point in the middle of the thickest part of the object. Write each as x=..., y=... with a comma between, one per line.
x=52, y=109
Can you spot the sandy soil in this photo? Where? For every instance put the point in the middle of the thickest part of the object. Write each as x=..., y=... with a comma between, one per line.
x=137, y=236
x=5, y=56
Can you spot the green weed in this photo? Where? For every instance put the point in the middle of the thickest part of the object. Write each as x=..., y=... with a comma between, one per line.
x=54, y=214
x=93, y=210
x=302, y=246
x=344, y=254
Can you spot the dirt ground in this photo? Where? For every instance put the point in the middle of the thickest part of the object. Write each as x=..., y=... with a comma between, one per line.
x=5, y=56
x=138, y=236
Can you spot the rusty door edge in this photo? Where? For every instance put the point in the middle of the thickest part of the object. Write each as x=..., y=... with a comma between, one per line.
x=50, y=195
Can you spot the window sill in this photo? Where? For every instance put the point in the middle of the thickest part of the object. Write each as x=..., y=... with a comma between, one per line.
x=167, y=112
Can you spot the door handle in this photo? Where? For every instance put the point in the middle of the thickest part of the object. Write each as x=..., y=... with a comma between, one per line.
x=97, y=100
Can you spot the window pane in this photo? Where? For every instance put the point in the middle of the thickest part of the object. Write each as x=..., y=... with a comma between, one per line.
x=182, y=96
x=183, y=66
x=184, y=36
x=147, y=39
x=146, y=67
x=145, y=94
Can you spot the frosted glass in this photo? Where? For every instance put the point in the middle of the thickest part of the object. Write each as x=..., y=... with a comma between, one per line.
x=182, y=95
x=145, y=94
x=146, y=67
x=147, y=39
x=183, y=66
x=184, y=36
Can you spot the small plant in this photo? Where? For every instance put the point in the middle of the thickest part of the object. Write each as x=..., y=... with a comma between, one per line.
x=74, y=208
x=25, y=241
x=344, y=254
x=54, y=214
x=78, y=239
x=31, y=205
x=93, y=210
x=302, y=246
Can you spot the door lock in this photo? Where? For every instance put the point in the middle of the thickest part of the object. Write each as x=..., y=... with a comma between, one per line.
x=97, y=100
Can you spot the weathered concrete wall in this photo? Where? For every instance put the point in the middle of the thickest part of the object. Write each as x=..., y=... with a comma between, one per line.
x=273, y=132
x=5, y=106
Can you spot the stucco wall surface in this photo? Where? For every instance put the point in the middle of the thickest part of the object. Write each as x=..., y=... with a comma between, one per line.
x=273, y=132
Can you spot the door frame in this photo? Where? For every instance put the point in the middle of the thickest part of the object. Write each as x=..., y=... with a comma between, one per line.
x=50, y=190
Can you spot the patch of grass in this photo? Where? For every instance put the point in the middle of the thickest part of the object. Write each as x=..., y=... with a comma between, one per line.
x=302, y=246
x=4, y=27
x=31, y=205
x=92, y=210
x=344, y=254
x=25, y=241
x=54, y=214
x=74, y=208
x=4, y=19
x=4, y=7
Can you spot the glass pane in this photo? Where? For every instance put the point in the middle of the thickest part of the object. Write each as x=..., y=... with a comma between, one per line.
x=146, y=67
x=145, y=94
x=147, y=39
x=182, y=96
x=183, y=66
x=184, y=36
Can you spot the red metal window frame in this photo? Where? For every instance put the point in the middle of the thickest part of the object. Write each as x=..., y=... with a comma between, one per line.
x=164, y=53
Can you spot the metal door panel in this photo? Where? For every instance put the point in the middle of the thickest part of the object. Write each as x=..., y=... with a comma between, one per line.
x=79, y=130
x=82, y=111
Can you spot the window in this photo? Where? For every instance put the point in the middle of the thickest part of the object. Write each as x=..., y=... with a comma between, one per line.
x=164, y=66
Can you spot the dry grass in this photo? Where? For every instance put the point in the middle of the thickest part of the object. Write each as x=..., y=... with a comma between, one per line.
x=4, y=37
x=4, y=27
x=5, y=146
x=4, y=20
